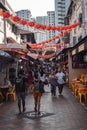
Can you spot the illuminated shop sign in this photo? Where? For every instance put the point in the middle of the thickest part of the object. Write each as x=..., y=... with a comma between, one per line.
x=74, y=52
x=81, y=48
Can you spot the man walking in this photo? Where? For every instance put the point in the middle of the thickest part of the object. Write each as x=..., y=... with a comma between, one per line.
x=60, y=78
x=20, y=90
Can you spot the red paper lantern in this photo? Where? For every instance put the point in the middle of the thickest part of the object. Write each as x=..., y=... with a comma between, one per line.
x=53, y=38
x=48, y=27
x=37, y=26
x=66, y=27
x=57, y=28
x=43, y=27
x=24, y=22
x=31, y=24
x=6, y=14
x=53, y=28
x=16, y=19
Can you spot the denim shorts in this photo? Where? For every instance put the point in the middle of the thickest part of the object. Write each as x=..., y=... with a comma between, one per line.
x=21, y=95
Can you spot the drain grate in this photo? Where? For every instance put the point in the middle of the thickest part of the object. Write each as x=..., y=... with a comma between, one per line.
x=34, y=115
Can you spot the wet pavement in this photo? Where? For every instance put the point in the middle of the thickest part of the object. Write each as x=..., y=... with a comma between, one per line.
x=57, y=113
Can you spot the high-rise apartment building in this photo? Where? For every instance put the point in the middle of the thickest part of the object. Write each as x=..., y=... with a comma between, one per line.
x=61, y=7
x=51, y=22
x=41, y=35
x=24, y=14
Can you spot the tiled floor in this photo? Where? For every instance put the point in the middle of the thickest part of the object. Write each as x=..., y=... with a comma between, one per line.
x=57, y=113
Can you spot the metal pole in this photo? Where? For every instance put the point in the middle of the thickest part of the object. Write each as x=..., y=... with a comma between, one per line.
x=5, y=40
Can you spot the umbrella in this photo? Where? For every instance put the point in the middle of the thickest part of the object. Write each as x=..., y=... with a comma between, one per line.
x=4, y=54
x=5, y=57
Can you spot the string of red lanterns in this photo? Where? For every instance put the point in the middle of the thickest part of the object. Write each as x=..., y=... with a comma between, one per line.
x=17, y=19
x=41, y=46
x=46, y=56
x=50, y=40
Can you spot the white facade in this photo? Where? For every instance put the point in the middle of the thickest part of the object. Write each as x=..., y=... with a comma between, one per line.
x=41, y=35
x=51, y=22
x=84, y=17
x=24, y=14
x=7, y=33
x=76, y=12
x=1, y=30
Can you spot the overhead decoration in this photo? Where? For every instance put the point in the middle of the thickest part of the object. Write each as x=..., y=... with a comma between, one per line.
x=54, y=45
x=18, y=20
x=49, y=40
x=64, y=30
x=46, y=56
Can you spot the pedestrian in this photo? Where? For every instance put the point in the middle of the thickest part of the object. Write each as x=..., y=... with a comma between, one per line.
x=53, y=83
x=20, y=86
x=61, y=80
x=37, y=93
x=42, y=78
x=30, y=82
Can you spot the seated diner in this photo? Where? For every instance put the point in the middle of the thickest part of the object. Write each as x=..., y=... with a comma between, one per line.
x=6, y=87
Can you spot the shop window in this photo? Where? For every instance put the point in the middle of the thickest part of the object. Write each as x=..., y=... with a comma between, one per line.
x=80, y=18
x=79, y=38
x=74, y=40
x=85, y=58
x=79, y=61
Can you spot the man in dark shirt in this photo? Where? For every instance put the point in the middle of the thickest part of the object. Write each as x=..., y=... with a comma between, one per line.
x=20, y=90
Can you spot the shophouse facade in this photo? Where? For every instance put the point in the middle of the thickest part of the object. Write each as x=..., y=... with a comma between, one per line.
x=75, y=57
x=9, y=33
x=78, y=37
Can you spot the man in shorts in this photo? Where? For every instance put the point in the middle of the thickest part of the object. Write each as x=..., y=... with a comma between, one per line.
x=20, y=90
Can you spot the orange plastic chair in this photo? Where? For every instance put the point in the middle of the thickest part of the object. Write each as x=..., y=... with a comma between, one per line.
x=13, y=93
x=82, y=92
x=1, y=95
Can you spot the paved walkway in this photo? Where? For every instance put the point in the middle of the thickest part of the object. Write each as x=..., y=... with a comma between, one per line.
x=57, y=113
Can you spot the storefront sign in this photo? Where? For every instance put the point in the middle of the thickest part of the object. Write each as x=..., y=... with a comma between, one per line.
x=81, y=48
x=74, y=52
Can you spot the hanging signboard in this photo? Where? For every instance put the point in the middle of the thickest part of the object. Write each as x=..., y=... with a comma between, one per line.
x=81, y=48
x=74, y=52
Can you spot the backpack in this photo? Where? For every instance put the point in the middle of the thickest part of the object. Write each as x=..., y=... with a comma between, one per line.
x=19, y=84
x=36, y=86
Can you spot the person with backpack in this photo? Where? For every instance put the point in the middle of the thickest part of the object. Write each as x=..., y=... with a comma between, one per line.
x=37, y=93
x=20, y=85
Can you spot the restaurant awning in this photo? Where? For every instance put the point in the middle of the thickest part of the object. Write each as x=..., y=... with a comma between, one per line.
x=13, y=47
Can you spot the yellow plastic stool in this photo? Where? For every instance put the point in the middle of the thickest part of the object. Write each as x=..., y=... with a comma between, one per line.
x=13, y=92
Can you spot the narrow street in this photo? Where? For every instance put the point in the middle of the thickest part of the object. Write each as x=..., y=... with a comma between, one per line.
x=57, y=113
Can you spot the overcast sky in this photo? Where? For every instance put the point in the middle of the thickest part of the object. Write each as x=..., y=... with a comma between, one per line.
x=37, y=7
